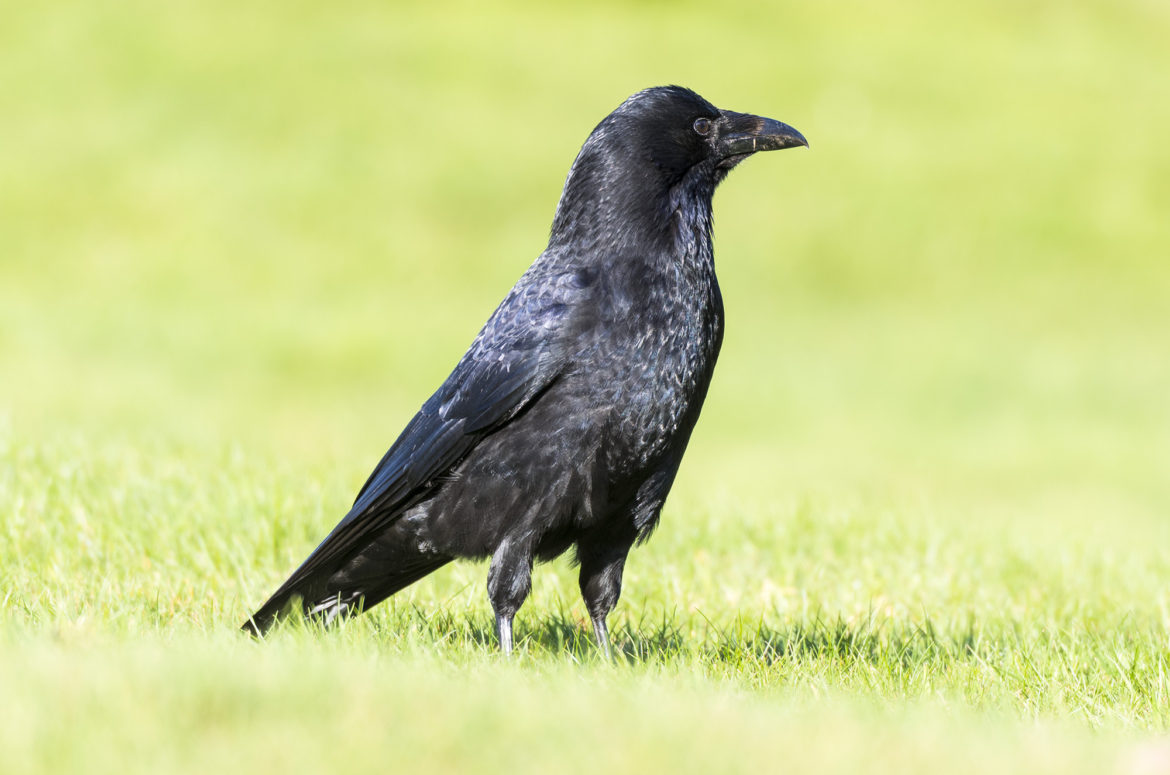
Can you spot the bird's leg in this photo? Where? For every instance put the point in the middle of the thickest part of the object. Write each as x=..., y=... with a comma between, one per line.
x=601, y=634
x=504, y=633
x=509, y=581
x=601, y=582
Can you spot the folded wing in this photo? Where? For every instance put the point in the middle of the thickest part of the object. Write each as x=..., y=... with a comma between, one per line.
x=519, y=353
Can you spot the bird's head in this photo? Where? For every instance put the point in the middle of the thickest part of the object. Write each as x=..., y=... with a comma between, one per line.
x=661, y=147
x=677, y=131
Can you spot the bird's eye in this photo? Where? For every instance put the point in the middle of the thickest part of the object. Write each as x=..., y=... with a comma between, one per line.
x=703, y=126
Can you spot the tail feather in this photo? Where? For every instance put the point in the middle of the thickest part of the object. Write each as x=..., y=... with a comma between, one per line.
x=344, y=593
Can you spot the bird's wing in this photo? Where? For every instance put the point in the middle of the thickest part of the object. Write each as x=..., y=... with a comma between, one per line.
x=519, y=353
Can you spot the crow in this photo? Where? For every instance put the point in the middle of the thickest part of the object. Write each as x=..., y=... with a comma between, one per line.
x=565, y=422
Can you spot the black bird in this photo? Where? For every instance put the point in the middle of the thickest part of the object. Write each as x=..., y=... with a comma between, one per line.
x=564, y=423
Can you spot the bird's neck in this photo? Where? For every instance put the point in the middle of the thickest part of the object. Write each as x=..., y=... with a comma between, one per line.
x=629, y=213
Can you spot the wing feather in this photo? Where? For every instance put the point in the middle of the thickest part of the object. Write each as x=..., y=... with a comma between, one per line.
x=518, y=354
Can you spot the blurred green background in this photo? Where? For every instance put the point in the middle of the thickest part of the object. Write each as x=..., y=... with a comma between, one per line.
x=280, y=224
x=240, y=243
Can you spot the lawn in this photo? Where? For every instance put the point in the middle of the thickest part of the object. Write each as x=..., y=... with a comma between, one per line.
x=923, y=522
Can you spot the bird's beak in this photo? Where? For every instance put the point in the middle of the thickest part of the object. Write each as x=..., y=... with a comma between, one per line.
x=744, y=134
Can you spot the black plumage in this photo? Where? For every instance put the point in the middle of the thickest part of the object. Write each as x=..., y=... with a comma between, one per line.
x=564, y=423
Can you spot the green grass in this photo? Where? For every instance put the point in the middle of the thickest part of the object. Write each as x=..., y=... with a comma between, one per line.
x=922, y=525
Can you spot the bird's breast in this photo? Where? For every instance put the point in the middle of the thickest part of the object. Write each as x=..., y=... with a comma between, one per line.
x=650, y=371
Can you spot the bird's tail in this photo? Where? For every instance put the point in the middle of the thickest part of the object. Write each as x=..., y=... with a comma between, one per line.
x=348, y=591
x=278, y=606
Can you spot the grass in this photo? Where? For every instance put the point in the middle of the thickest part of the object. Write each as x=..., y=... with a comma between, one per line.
x=922, y=523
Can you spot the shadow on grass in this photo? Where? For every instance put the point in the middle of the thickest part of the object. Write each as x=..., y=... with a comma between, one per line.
x=686, y=637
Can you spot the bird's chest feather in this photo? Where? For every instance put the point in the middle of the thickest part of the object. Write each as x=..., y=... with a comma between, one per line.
x=650, y=373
